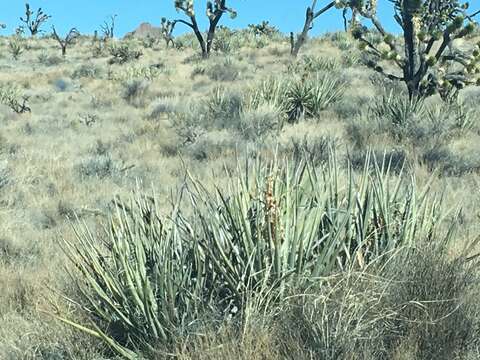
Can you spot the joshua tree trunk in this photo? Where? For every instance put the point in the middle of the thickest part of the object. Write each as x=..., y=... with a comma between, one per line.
x=310, y=16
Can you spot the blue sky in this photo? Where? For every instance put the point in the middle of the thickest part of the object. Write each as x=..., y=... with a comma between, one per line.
x=87, y=15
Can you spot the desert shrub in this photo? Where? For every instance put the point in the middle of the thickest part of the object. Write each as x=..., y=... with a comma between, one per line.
x=222, y=40
x=315, y=149
x=189, y=124
x=212, y=145
x=134, y=91
x=49, y=60
x=312, y=64
x=223, y=108
x=434, y=295
x=224, y=69
x=139, y=72
x=339, y=317
x=19, y=253
x=99, y=166
x=12, y=96
x=16, y=46
x=150, y=277
x=351, y=107
x=227, y=109
x=400, y=114
x=88, y=70
x=260, y=122
x=396, y=160
x=161, y=107
x=123, y=53
x=420, y=304
x=342, y=40
x=441, y=158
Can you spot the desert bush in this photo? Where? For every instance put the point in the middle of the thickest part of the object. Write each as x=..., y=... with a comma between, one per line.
x=389, y=311
x=338, y=317
x=395, y=159
x=11, y=95
x=223, y=40
x=99, y=166
x=434, y=294
x=49, y=60
x=442, y=159
x=315, y=149
x=139, y=72
x=134, y=91
x=258, y=123
x=224, y=69
x=312, y=64
x=212, y=145
x=189, y=124
x=123, y=53
x=88, y=70
x=223, y=108
x=16, y=46
x=400, y=117
x=161, y=107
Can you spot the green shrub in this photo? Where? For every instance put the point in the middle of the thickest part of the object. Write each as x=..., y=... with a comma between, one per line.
x=150, y=277
x=308, y=97
x=298, y=97
x=123, y=53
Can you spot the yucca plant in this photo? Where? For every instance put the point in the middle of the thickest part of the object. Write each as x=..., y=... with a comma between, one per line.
x=280, y=223
x=400, y=112
x=309, y=96
x=299, y=97
x=150, y=278
x=140, y=284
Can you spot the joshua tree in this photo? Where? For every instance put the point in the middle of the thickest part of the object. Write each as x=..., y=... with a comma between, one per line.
x=429, y=62
x=264, y=28
x=310, y=16
x=215, y=11
x=72, y=35
x=167, y=28
x=33, y=23
x=108, y=28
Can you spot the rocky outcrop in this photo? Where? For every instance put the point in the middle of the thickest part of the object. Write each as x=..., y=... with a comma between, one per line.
x=143, y=31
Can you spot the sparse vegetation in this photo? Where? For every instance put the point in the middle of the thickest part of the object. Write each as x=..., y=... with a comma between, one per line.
x=158, y=202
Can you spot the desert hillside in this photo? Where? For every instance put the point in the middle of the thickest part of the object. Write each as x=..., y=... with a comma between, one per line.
x=126, y=149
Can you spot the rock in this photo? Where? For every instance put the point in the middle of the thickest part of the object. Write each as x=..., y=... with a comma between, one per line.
x=143, y=31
